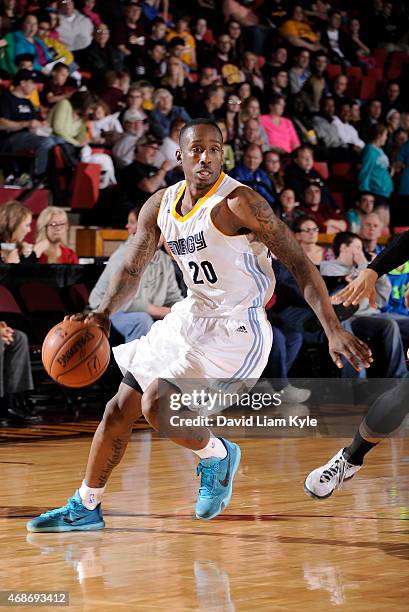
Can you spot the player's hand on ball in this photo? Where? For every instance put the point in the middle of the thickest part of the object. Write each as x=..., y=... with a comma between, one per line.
x=343, y=344
x=362, y=287
x=97, y=318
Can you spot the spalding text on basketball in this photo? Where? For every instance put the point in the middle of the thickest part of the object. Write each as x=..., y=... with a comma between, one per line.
x=80, y=343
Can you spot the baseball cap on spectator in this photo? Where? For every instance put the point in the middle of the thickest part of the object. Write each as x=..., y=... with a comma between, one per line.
x=131, y=2
x=148, y=139
x=24, y=75
x=134, y=115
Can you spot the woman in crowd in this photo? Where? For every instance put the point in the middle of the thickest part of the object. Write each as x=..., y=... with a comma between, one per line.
x=15, y=224
x=174, y=80
x=231, y=117
x=272, y=166
x=375, y=174
x=51, y=244
x=27, y=41
x=307, y=233
x=280, y=131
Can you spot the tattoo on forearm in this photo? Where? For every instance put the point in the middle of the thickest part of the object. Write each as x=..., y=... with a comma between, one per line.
x=281, y=241
x=141, y=250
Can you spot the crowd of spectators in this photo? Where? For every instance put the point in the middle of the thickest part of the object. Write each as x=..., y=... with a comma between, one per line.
x=312, y=99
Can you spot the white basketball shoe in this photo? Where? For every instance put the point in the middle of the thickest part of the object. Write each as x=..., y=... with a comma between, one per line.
x=322, y=482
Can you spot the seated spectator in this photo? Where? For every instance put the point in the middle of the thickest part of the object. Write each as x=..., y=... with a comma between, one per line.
x=248, y=172
x=298, y=32
x=15, y=378
x=15, y=224
x=363, y=206
x=165, y=112
x=231, y=116
x=277, y=60
x=158, y=30
x=301, y=172
x=370, y=232
x=104, y=127
x=358, y=47
x=128, y=34
x=373, y=112
x=59, y=86
x=368, y=321
x=347, y=133
x=392, y=98
x=68, y=118
x=286, y=208
x=123, y=150
x=337, y=42
x=213, y=100
x=116, y=90
x=68, y=121
x=27, y=41
x=307, y=233
x=51, y=241
x=280, y=131
x=182, y=31
x=251, y=71
x=204, y=40
x=207, y=76
x=316, y=86
x=222, y=53
x=75, y=29
x=141, y=178
x=229, y=160
x=392, y=124
x=157, y=291
x=272, y=167
x=250, y=109
x=300, y=72
x=101, y=57
x=278, y=83
x=24, y=61
x=134, y=101
x=174, y=80
x=20, y=125
x=302, y=120
x=328, y=221
x=176, y=49
x=56, y=49
x=152, y=63
x=339, y=89
x=252, y=134
x=324, y=127
x=235, y=31
x=375, y=175
x=169, y=146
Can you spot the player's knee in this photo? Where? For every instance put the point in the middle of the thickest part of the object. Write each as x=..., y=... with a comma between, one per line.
x=115, y=416
x=150, y=403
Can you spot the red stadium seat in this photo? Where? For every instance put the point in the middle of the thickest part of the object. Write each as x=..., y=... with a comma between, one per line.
x=322, y=169
x=343, y=170
x=333, y=70
x=380, y=55
x=85, y=185
x=339, y=199
x=7, y=302
x=369, y=88
x=395, y=66
x=78, y=295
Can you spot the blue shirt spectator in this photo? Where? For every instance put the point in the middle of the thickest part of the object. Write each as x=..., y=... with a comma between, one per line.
x=248, y=172
x=165, y=113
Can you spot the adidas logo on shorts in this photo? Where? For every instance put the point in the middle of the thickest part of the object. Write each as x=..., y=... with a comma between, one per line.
x=242, y=329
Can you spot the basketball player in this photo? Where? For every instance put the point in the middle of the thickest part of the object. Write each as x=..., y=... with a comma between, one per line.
x=387, y=413
x=220, y=233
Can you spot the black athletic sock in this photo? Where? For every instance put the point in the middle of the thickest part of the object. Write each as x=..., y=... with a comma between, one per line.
x=356, y=451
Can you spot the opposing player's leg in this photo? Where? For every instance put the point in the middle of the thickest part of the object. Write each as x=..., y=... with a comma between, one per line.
x=219, y=458
x=83, y=511
x=382, y=420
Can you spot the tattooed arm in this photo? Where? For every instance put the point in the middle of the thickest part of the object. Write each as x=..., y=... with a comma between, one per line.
x=248, y=209
x=141, y=249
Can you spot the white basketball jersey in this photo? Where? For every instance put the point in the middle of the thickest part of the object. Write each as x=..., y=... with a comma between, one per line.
x=226, y=276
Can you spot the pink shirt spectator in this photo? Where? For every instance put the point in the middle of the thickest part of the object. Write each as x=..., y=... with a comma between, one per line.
x=282, y=136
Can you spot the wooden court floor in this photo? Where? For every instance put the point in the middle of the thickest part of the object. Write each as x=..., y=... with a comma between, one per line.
x=273, y=548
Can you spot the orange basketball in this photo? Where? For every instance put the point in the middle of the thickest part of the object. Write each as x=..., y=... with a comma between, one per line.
x=75, y=354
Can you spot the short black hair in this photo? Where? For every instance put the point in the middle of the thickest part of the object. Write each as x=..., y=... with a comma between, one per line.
x=194, y=123
x=343, y=238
